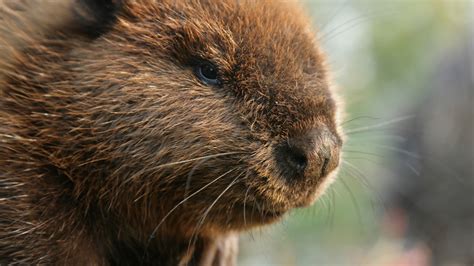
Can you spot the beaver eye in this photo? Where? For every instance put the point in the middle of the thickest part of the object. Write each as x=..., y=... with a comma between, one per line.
x=207, y=73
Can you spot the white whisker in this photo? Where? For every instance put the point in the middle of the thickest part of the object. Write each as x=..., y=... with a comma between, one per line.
x=183, y=201
x=201, y=221
x=380, y=125
x=194, y=159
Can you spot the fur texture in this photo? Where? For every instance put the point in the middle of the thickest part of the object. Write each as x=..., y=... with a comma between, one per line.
x=112, y=151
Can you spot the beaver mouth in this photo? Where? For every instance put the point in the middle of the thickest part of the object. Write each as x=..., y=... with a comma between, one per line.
x=256, y=213
x=291, y=195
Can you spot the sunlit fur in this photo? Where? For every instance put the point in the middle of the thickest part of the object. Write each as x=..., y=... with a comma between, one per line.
x=106, y=140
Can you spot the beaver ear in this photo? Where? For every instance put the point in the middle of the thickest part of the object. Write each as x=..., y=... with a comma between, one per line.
x=94, y=17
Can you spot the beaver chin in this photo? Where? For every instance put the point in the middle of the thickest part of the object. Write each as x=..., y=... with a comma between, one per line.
x=262, y=211
x=253, y=215
x=249, y=216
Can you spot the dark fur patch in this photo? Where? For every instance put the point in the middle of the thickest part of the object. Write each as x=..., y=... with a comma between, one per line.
x=94, y=17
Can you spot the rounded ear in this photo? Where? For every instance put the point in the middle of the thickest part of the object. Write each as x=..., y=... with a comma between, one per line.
x=94, y=17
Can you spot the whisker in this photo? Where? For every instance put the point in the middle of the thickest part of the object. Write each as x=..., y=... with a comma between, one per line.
x=328, y=206
x=365, y=153
x=351, y=23
x=359, y=175
x=333, y=208
x=414, y=155
x=323, y=201
x=354, y=200
x=402, y=151
x=183, y=201
x=195, y=159
x=364, y=159
x=333, y=15
x=153, y=169
x=245, y=201
x=201, y=221
x=413, y=169
x=359, y=118
x=190, y=174
x=374, y=135
x=380, y=125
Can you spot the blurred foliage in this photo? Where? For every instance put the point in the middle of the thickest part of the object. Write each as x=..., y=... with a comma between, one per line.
x=383, y=55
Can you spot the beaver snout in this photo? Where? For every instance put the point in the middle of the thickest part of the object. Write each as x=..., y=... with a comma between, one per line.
x=310, y=155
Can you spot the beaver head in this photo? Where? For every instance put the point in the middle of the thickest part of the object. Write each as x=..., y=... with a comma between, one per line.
x=195, y=117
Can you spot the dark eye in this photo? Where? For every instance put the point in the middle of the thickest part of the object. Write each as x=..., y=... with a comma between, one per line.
x=207, y=73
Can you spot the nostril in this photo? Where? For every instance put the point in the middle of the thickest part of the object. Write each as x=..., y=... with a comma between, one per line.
x=291, y=160
x=296, y=160
x=324, y=168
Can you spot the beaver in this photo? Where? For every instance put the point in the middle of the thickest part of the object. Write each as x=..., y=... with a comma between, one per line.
x=153, y=132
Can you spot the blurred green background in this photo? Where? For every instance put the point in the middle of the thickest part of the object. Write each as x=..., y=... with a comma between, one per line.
x=383, y=55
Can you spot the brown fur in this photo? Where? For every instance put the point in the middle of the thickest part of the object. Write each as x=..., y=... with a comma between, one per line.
x=103, y=135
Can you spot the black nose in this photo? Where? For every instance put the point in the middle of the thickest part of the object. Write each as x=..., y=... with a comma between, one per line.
x=311, y=155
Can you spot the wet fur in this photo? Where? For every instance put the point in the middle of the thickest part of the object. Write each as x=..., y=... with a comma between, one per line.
x=103, y=124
